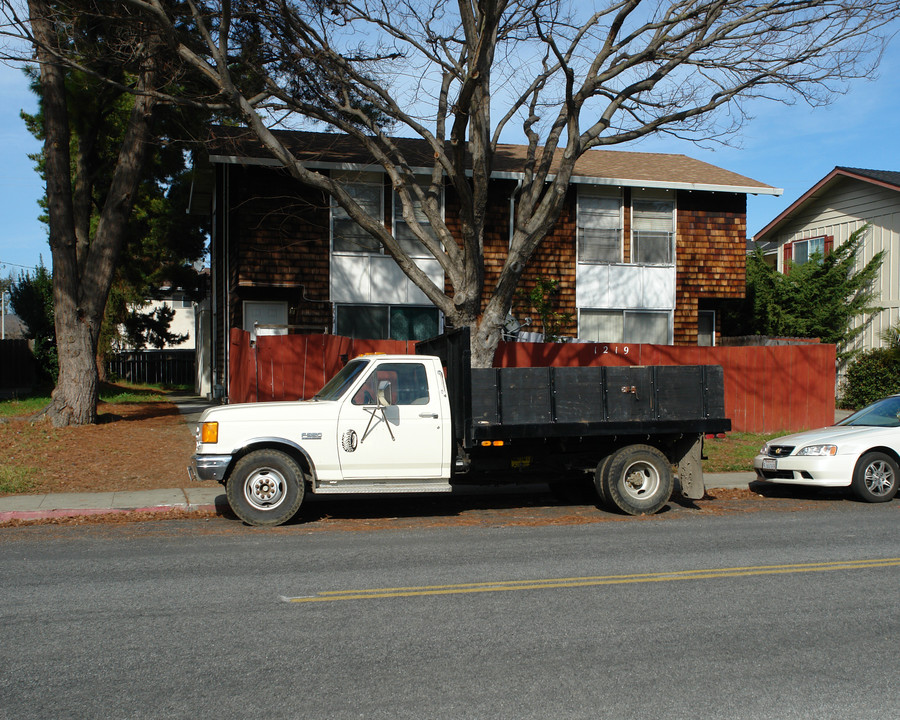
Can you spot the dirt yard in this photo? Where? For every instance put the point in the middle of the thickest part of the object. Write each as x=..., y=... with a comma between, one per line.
x=138, y=446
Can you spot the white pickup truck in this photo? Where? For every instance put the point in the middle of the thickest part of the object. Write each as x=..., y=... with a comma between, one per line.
x=429, y=423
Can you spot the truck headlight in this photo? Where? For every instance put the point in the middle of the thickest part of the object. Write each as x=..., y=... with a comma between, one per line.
x=818, y=450
x=209, y=432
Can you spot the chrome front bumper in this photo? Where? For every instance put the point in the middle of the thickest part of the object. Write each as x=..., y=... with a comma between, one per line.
x=208, y=467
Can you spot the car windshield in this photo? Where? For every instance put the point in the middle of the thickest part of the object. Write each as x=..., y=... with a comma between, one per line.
x=884, y=413
x=338, y=385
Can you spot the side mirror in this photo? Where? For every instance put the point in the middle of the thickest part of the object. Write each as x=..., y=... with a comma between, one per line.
x=385, y=394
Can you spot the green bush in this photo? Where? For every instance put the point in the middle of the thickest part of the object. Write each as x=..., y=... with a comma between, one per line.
x=870, y=377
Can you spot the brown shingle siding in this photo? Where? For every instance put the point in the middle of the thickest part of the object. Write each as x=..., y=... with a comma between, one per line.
x=711, y=255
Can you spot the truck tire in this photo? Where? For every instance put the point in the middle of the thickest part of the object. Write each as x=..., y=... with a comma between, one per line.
x=266, y=488
x=600, y=475
x=638, y=480
x=875, y=477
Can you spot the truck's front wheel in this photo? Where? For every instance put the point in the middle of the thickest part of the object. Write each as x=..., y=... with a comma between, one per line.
x=265, y=488
x=638, y=480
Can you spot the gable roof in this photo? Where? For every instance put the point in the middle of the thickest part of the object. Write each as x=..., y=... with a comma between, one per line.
x=882, y=178
x=597, y=167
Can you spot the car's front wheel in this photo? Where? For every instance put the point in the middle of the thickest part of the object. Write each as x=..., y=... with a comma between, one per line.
x=875, y=477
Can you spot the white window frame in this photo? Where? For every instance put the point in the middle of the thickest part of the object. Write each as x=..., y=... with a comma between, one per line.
x=806, y=243
x=338, y=307
x=625, y=315
x=397, y=217
x=667, y=196
x=582, y=216
x=280, y=305
x=356, y=180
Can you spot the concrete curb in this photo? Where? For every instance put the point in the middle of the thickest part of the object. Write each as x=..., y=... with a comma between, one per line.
x=67, y=505
x=199, y=499
x=13, y=515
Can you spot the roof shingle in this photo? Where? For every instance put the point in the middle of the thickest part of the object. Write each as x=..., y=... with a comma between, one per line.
x=228, y=144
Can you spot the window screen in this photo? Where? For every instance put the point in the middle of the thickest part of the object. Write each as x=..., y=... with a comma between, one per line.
x=647, y=327
x=347, y=236
x=652, y=227
x=601, y=326
x=599, y=227
x=408, y=241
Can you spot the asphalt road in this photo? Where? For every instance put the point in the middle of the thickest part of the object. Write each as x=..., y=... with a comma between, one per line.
x=756, y=614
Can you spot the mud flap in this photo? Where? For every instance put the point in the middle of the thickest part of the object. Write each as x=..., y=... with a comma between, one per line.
x=689, y=455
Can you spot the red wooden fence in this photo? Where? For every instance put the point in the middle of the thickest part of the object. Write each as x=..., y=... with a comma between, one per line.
x=767, y=389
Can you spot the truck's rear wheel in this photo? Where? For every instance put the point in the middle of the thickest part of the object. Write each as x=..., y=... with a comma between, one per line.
x=638, y=480
x=600, y=475
x=265, y=488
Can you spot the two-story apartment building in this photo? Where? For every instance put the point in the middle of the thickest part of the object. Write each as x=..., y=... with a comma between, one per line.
x=646, y=250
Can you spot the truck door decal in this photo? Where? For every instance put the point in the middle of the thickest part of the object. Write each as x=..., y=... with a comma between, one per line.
x=349, y=441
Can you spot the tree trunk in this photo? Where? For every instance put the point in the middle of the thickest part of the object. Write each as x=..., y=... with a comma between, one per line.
x=82, y=275
x=77, y=389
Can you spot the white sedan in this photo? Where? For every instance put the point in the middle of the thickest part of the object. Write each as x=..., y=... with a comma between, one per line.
x=862, y=451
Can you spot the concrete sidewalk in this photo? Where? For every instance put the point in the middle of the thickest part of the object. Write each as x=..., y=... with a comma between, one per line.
x=57, y=505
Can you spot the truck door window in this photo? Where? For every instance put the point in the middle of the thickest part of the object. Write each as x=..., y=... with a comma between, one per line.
x=408, y=385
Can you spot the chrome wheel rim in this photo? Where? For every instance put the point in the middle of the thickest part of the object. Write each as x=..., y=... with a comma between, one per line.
x=265, y=488
x=641, y=480
x=880, y=478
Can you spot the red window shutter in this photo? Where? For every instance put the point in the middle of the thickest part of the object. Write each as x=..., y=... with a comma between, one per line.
x=788, y=256
x=829, y=243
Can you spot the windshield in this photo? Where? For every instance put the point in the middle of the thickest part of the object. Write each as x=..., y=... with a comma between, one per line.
x=338, y=385
x=884, y=413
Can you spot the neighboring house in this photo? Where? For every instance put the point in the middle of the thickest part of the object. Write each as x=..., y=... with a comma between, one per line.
x=826, y=215
x=183, y=321
x=12, y=327
x=646, y=250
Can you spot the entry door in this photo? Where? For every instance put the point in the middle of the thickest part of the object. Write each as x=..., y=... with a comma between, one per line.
x=391, y=427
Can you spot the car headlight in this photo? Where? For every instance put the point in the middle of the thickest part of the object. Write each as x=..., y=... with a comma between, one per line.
x=765, y=449
x=818, y=450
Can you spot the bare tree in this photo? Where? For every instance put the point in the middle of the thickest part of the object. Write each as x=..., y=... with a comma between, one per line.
x=566, y=76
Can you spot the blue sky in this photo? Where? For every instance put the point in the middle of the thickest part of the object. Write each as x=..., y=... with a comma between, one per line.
x=790, y=147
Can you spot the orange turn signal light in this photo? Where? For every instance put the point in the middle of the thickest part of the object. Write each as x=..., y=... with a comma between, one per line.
x=209, y=432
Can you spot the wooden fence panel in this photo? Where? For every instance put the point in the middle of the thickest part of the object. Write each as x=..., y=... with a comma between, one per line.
x=18, y=371
x=154, y=367
x=767, y=388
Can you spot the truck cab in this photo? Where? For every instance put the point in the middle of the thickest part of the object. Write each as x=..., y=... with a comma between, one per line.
x=382, y=424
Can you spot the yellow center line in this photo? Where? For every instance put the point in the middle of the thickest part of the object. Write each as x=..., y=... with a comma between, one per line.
x=574, y=582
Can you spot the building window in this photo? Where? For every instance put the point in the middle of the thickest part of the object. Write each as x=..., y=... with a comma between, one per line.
x=346, y=235
x=601, y=325
x=599, y=223
x=402, y=232
x=803, y=250
x=625, y=326
x=387, y=322
x=265, y=318
x=706, y=328
x=653, y=228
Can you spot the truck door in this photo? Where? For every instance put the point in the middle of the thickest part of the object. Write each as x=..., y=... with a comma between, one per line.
x=391, y=426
